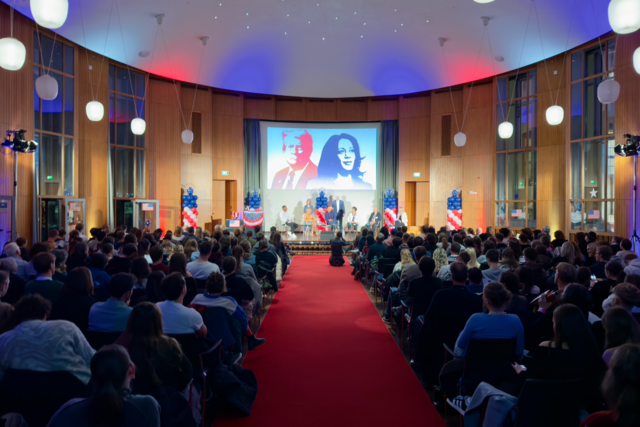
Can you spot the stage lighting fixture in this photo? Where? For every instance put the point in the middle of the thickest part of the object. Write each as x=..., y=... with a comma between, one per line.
x=631, y=148
x=15, y=141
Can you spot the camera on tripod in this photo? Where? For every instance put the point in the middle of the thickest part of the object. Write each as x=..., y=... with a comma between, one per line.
x=631, y=148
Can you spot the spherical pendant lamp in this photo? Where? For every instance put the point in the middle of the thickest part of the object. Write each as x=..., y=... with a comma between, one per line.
x=505, y=130
x=50, y=13
x=47, y=87
x=636, y=60
x=12, y=54
x=608, y=91
x=138, y=126
x=624, y=16
x=95, y=111
x=460, y=139
x=555, y=115
x=187, y=136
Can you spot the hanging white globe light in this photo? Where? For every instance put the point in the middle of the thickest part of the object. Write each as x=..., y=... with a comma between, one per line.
x=608, y=91
x=555, y=115
x=636, y=60
x=624, y=16
x=460, y=139
x=47, y=87
x=505, y=130
x=50, y=13
x=187, y=136
x=95, y=111
x=12, y=54
x=138, y=126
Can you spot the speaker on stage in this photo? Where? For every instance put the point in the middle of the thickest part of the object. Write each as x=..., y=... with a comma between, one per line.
x=327, y=235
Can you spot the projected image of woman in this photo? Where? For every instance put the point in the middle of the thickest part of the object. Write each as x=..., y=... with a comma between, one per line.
x=339, y=166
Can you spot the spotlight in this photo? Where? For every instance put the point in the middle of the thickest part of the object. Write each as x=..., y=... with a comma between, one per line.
x=631, y=148
x=16, y=142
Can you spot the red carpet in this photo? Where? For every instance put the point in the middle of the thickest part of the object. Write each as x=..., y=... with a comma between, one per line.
x=329, y=361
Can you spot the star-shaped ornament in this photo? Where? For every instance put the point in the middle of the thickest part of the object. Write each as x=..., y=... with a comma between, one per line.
x=593, y=193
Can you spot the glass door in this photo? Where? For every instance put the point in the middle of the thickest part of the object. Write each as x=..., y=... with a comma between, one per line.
x=75, y=211
x=50, y=217
x=7, y=221
x=147, y=214
x=124, y=213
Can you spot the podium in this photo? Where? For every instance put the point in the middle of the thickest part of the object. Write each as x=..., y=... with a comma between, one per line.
x=209, y=226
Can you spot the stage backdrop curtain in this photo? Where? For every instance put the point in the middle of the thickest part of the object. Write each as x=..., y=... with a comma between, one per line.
x=388, y=159
x=252, y=154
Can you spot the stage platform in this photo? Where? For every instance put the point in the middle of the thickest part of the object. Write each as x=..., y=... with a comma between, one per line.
x=310, y=245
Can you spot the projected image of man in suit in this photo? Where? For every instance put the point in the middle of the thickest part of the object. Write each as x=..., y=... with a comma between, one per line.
x=297, y=147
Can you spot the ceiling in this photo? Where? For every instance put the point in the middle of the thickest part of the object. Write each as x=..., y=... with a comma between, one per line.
x=330, y=48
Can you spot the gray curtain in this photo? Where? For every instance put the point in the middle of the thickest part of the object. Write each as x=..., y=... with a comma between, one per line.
x=252, y=154
x=388, y=159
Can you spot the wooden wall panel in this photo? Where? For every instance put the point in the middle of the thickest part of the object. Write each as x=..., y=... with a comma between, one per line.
x=418, y=105
x=322, y=110
x=291, y=109
x=352, y=110
x=228, y=104
x=260, y=107
x=446, y=176
x=422, y=204
x=382, y=109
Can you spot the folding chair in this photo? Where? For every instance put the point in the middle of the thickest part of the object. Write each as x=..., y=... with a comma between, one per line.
x=206, y=367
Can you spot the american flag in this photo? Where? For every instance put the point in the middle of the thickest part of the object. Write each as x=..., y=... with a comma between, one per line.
x=147, y=206
x=593, y=215
x=516, y=213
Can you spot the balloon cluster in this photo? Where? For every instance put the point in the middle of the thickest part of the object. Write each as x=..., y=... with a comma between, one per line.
x=190, y=209
x=322, y=203
x=253, y=202
x=390, y=205
x=454, y=211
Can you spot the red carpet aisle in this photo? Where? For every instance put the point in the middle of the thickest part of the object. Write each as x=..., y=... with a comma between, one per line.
x=329, y=361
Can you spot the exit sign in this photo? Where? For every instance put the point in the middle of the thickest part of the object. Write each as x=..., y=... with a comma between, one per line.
x=416, y=174
x=225, y=173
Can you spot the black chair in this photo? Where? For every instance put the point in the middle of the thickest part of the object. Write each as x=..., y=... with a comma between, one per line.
x=550, y=403
x=97, y=340
x=191, y=349
x=38, y=395
x=192, y=290
x=201, y=283
x=388, y=270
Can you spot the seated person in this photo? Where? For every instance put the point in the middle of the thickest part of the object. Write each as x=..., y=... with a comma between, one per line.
x=61, y=265
x=511, y=282
x=422, y=289
x=620, y=328
x=337, y=250
x=113, y=314
x=248, y=258
x=266, y=261
x=602, y=257
x=9, y=266
x=216, y=286
x=111, y=404
x=352, y=220
x=45, y=265
x=32, y=343
x=176, y=318
x=393, y=251
x=492, y=274
x=5, y=308
x=202, y=268
x=377, y=249
x=76, y=300
x=101, y=279
x=237, y=287
x=122, y=263
x=157, y=257
x=476, y=278
x=331, y=218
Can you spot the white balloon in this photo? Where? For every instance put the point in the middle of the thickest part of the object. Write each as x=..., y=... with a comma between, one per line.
x=505, y=130
x=636, y=60
x=555, y=115
x=47, y=87
x=608, y=91
x=138, y=126
x=12, y=54
x=624, y=16
x=460, y=139
x=95, y=111
x=50, y=13
x=187, y=136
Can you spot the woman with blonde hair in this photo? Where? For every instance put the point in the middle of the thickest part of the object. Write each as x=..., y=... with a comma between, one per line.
x=490, y=230
x=440, y=257
x=473, y=262
x=191, y=250
x=405, y=259
x=199, y=233
x=177, y=249
x=177, y=235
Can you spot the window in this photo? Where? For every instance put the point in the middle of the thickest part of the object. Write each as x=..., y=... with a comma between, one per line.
x=54, y=120
x=592, y=157
x=516, y=157
x=126, y=102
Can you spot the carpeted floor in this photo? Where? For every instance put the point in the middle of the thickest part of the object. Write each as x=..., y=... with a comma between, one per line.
x=329, y=361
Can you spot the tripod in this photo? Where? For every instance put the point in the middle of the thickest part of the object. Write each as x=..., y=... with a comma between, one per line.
x=635, y=240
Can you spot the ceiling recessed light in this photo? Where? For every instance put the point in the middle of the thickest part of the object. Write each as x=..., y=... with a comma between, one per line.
x=285, y=33
x=395, y=31
x=365, y=23
x=355, y=13
x=247, y=13
x=402, y=25
x=323, y=38
x=427, y=20
x=247, y=27
x=220, y=4
x=396, y=10
x=483, y=1
x=309, y=22
x=336, y=17
x=216, y=17
x=144, y=54
x=361, y=36
x=498, y=58
x=287, y=14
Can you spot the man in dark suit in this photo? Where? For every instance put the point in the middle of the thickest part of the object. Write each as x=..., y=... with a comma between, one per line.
x=444, y=320
x=603, y=255
x=338, y=207
x=330, y=218
x=374, y=219
x=297, y=149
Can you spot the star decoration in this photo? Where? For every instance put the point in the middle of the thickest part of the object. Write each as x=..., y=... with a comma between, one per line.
x=593, y=193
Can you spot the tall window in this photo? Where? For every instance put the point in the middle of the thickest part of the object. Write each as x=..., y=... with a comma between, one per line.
x=592, y=141
x=54, y=120
x=126, y=96
x=516, y=157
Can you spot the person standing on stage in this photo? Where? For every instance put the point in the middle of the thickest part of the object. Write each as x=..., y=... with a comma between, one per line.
x=402, y=218
x=287, y=222
x=307, y=217
x=297, y=147
x=374, y=219
x=352, y=220
x=331, y=218
x=338, y=207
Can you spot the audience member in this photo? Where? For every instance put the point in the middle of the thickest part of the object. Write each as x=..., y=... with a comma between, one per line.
x=603, y=255
x=475, y=285
x=156, y=254
x=202, y=268
x=176, y=318
x=45, y=265
x=620, y=328
x=122, y=263
x=266, y=262
x=5, y=308
x=60, y=274
x=393, y=251
x=511, y=282
x=16, y=289
x=76, y=299
x=492, y=274
x=13, y=251
x=112, y=315
x=509, y=261
x=153, y=292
